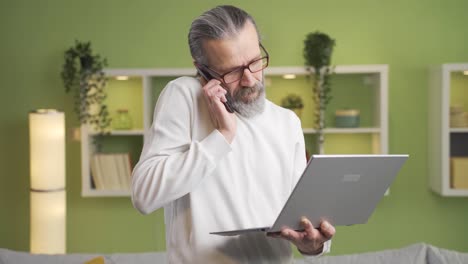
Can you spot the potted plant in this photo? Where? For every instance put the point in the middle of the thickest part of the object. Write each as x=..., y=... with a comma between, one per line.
x=293, y=102
x=83, y=74
x=318, y=48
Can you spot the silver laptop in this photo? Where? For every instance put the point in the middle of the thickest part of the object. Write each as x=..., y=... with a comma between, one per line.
x=342, y=189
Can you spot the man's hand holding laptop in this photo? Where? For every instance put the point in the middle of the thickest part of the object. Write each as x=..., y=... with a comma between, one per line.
x=309, y=241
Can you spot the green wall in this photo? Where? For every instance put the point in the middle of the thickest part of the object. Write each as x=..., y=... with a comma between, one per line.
x=407, y=35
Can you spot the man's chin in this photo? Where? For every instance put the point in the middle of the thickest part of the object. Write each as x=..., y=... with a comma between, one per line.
x=251, y=97
x=252, y=108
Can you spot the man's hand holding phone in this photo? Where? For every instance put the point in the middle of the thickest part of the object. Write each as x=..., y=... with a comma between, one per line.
x=215, y=97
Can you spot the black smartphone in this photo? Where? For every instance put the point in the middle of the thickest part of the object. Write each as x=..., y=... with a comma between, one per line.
x=228, y=103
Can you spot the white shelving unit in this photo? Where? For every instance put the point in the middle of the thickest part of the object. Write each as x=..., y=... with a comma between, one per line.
x=379, y=130
x=441, y=135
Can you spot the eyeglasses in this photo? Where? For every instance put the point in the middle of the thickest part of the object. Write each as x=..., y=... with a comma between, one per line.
x=237, y=74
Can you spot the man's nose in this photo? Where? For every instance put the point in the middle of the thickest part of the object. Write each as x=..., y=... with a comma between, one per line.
x=248, y=79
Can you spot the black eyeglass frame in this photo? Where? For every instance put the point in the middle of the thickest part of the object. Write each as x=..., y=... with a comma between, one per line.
x=242, y=68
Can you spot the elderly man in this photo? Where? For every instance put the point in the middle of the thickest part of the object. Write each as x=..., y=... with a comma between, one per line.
x=220, y=156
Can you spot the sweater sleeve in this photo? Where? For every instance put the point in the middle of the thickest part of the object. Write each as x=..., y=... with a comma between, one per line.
x=312, y=258
x=171, y=163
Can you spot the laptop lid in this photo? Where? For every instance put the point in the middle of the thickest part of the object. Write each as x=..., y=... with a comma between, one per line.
x=342, y=189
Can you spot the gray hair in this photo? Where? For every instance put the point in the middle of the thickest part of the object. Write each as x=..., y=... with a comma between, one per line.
x=220, y=22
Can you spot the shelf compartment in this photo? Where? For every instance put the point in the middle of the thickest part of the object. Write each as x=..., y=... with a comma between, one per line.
x=458, y=144
x=131, y=144
x=357, y=91
x=126, y=94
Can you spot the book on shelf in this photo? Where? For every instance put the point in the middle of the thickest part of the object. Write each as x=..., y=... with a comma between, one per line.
x=111, y=171
x=96, y=173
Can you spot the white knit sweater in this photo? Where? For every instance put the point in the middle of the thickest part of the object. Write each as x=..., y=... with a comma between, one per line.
x=206, y=184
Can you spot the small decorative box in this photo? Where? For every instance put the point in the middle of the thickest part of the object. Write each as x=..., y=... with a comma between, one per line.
x=458, y=118
x=459, y=172
x=347, y=118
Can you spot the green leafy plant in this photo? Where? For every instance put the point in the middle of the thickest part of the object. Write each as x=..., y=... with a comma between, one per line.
x=83, y=75
x=292, y=101
x=318, y=49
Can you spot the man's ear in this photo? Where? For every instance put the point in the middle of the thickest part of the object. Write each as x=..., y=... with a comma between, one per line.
x=197, y=68
x=198, y=75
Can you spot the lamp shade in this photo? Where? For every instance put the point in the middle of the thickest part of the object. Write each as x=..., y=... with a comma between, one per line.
x=48, y=197
x=47, y=149
x=48, y=214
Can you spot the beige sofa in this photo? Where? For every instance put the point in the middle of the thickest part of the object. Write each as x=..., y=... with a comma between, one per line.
x=414, y=254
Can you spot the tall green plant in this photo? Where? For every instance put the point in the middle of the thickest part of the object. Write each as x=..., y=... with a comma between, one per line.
x=318, y=49
x=83, y=75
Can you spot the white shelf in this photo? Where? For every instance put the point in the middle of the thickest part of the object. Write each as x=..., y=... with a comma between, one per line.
x=169, y=72
x=380, y=142
x=380, y=69
x=439, y=131
x=335, y=130
x=459, y=130
x=106, y=193
x=455, y=192
x=134, y=132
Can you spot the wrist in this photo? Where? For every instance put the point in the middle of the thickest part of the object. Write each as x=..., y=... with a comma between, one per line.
x=228, y=135
x=311, y=253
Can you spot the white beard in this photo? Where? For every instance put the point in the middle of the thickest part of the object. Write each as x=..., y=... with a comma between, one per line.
x=252, y=106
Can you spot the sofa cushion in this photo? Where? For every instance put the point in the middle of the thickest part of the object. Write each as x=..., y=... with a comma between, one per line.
x=415, y=254
x=412, y=254
x=9, y=256
x=440, y=255
x=13, y=257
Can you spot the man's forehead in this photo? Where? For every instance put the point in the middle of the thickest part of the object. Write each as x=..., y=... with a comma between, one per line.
x=238, y=50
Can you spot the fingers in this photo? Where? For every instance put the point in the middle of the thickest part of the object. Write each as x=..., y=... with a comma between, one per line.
x=215, y=95
x=327, y=230
x=307, y=225
x=309, y=241
x=311, y=233
x=291, y=235
x=214, y=92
